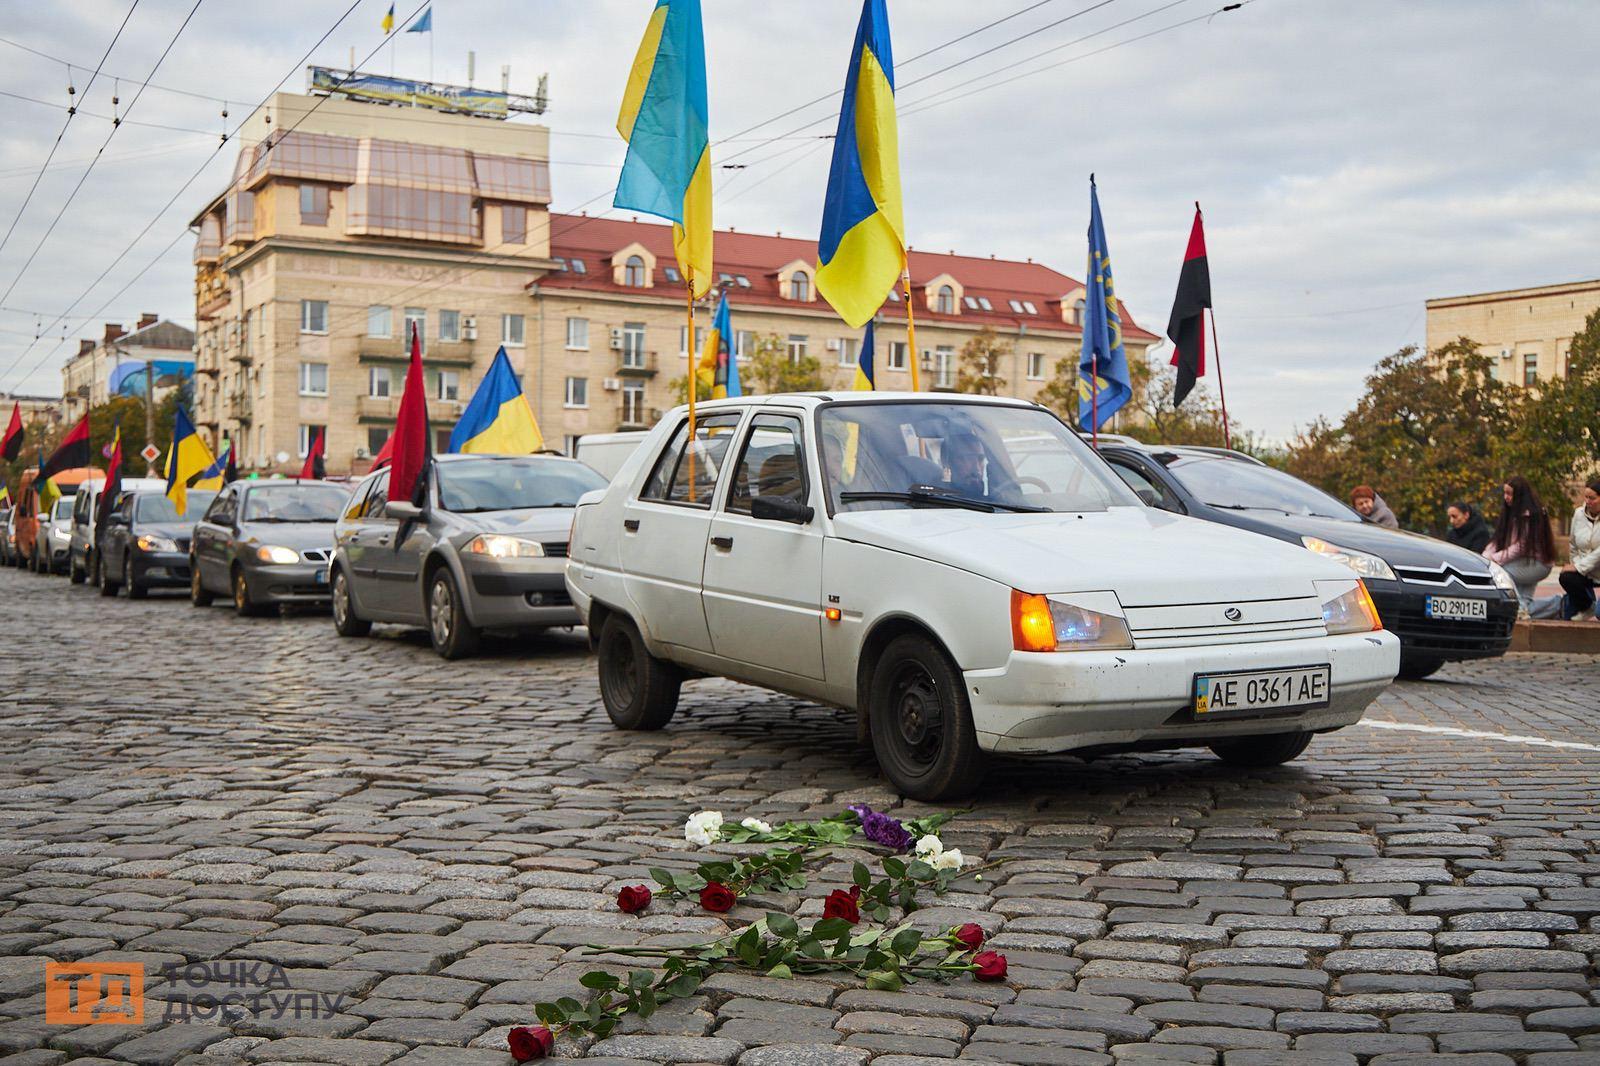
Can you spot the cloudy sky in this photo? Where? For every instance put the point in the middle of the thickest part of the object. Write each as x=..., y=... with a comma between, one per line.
x=1353, y=157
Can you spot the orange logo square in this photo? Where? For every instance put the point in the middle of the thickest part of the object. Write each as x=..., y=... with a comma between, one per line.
x=93, y=993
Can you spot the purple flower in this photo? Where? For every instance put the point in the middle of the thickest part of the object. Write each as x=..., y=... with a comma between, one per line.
x=880, y=828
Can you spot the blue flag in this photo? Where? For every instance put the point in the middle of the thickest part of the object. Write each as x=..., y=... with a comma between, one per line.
x=423, y=24
x=866, y=363
x=1103, y=383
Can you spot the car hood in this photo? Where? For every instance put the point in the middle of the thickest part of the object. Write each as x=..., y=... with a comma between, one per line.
x=178, y=531
x=301, y=536
x=541, y=524
x=1147, y=557
x=1395, y=547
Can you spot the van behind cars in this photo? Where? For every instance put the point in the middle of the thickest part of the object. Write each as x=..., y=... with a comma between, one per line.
x=29, y=520
x=606, y=452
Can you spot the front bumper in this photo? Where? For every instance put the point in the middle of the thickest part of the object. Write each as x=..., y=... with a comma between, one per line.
x=294, y=583
x=1063, y=701
x=518, y=593
x=157, y=570
x=1403, y=608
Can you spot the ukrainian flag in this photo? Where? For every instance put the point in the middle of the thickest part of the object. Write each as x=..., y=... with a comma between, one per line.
x=212, y=478
x=866, y=363
x=498, y=421
x=187, y=457
x=862, y=247
x=665, y=120
x=717, y=356
x=388, y=20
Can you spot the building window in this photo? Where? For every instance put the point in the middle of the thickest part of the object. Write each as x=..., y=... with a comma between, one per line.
x=683, y=340
x=577, y=392
x=633, y=272
x=1079, y=309
x=308, y=434
x=377, y=437
x=314, y=205
x=418, y=318
x=1530, y=368
x=1027, y=305
x=633, y=404
x=514, y=224
x=579, y=266
x=971, y=302
x=313, y=316
x=894, y=296
x=449, y=385
x=848, y=349
x=797, y=347
x=633, y=345
x=944, y=361
x=897, y=355
x=379, y=322
x=946, y=304
x=672, y=274
x=1016, y=306
x=569, y=445
x=380, y=380
x=578, y=334
x=800, y=286
x=313, y=379
x=1035, y=366
x=744, y=282
x=449, y=325
x=511, y=331
x=983, y=302
x=743, y=343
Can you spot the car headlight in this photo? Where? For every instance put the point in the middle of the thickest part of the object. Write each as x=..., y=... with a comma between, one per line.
x=1043, y=623
x=1362, y=563
x=1347, y=609
x=277, y=555
x=152, y=543
x=499, y=546
x=60, y=534
x=1502, y=580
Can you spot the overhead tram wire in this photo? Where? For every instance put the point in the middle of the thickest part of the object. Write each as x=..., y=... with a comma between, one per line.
x=71, y=113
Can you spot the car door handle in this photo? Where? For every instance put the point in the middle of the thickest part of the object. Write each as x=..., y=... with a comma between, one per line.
x=631, y=525
x=383, y=540
x=724, y=543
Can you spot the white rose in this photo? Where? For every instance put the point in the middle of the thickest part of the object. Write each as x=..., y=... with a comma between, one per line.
x=701, y=828
x=757, y=825
x=929, y=847
x=948, y=860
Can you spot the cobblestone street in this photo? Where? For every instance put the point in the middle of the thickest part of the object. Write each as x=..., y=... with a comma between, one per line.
x=426, y=847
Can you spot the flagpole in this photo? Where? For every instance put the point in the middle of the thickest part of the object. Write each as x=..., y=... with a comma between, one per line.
x=1094, y=396
x=1216, y=357
x=911, y=329
x=694, y=372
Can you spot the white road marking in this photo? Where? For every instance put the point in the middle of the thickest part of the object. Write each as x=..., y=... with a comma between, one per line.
x=1478, y=734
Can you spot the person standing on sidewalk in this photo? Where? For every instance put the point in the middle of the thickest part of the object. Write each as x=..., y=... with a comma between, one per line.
x=1522, y=542
x=1579, y=578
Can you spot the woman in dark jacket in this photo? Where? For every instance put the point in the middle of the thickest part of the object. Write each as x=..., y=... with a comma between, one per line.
x=1467, y=527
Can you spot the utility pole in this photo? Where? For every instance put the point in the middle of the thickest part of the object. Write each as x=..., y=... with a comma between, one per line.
x=150, y=409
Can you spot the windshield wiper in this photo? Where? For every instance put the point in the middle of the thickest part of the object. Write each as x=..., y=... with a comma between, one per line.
x=931, y=495
x=1242, y=507
x=520, y=507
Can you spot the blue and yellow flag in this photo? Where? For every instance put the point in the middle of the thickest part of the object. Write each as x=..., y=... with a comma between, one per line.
x=498, y=421
x=187, y=457
x=388, y=20
x=863, y=244
x=1103, y=382
x=665, y=120
x=213, y=477
x=45, y=486
x=866, y=362
x=718, y=356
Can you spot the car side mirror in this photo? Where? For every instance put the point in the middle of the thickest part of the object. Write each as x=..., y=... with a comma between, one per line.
x=402, y=510
x=116, y=520
x=780, y=509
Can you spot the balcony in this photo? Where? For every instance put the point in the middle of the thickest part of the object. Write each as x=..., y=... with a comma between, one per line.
x=239, y=407
x=637, y=364
x=387, y=409
x=635, y=416
x=434, y=353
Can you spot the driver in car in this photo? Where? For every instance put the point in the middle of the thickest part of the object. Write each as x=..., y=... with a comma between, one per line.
x=963, y=457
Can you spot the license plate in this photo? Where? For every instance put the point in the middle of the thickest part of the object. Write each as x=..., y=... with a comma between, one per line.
x=321, y=577
x=1246, y=692
x=1455, y=608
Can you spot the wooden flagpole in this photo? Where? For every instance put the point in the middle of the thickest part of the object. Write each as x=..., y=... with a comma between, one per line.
x=694, y=372
x=1216, y=357
x=911, y=330
x=1094, y=396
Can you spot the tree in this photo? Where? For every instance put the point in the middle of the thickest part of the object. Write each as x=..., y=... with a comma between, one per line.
x=978, y=367
x=1149, y=415
x=768, y=369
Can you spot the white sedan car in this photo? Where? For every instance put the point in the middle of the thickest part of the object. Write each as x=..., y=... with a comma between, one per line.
x=968, y=576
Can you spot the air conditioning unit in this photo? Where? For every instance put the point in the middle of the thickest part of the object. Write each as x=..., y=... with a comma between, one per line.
x=833, y=345
x=470, y=322
x=616, y=340
x=611, y=384
x=1505, y=353
x=470, y=330
x=362, y=453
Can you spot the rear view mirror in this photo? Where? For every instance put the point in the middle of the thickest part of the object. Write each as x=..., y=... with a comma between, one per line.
x=780, y=509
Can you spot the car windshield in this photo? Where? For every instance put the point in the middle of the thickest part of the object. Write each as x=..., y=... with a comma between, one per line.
x=63, y=508
x=294, y=503
x=976, y=455
x=472, y=485
x=1240, y=486
x=152, y=507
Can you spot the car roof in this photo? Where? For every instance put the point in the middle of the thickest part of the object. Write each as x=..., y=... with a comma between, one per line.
x=811, y=400
x=1187, y=451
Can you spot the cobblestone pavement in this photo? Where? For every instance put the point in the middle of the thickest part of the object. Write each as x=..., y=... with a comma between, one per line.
x=423, y=848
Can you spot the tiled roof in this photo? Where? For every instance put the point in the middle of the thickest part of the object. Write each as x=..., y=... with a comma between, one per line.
x=758, y=257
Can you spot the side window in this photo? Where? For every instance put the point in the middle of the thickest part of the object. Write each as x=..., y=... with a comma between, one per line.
x=217, y=513
x=358, y=500
x=125, y=507
x=1151, y=491
x=770, y=465
x=671, y=481
x=80, y=508
x=376, y=499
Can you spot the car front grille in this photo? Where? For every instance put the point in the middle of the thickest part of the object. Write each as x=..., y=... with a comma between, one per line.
x=1195, y=624
x=315, y=555
x=1443, y=576
x=1406, y=617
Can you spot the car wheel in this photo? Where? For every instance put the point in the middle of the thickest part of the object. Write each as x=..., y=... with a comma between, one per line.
x=1417, y=667
x=75, y=573
x=345, y=622
x=1273, y=749
x=453, y=636
x=136, y=591
x=921, y=722
x=640, y=691
x=108, y=587
x=243, y=605
x=197, y=590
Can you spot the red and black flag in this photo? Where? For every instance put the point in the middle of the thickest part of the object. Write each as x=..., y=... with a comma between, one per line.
x=230, y=470
x=411, y=447
x=72, y=453
x=316, y=469
x=1186, y=327
x=113, y=486
x=11, y=445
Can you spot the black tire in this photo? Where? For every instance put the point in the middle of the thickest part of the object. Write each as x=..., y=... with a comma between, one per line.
x=345, y=621
x=640, y=692
x=453, y=634
x=136, y=591
x=921, y=722
x=108, y=587
x=198, y=595
x=75, y=574
x=1255, y=753
x=1417, y=667
x=243, y=605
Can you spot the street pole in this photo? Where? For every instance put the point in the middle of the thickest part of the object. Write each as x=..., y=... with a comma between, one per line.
x=149, y=410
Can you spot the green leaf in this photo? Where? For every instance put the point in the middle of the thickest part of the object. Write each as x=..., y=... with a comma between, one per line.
x=603, y=1027
x=569, y=1006
x=919, y=871
x=831, y=929
x=906, y=942
x=599, y=980
x=884, y=981
x=749, y=946
x=860, y=876
x=894, y=867
x=781, y=925
x=549, y=1013
x=661, y=877
x=640, y=979
x=780, y=970
x=647, y=1002
x=683, y=986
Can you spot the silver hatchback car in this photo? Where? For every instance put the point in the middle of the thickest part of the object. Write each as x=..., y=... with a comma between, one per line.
x=487, y=550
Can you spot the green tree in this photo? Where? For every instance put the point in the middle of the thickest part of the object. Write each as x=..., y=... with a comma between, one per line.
x=978, y=366
x=768, y=369
x=1149, y=415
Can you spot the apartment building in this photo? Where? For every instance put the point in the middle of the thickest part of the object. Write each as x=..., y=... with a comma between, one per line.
x=1525, y=331
x=97, y=370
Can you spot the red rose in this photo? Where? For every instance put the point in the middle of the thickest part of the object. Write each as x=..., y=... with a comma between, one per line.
x=991, y=966
x=842, y=904
x=970, y=936
x=633, y=899
x=717, y=897
x=530, y=1043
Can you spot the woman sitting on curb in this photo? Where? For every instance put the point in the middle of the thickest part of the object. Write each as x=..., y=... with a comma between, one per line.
x=1522, y=542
